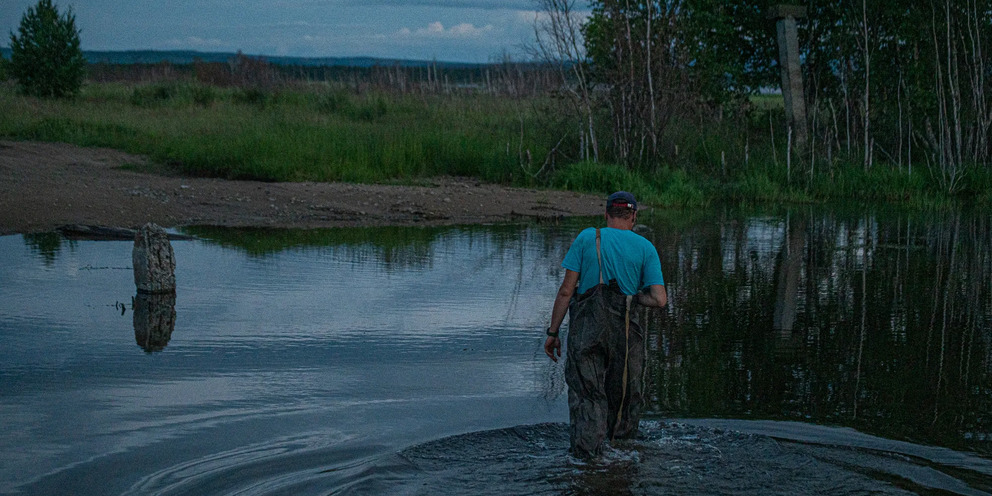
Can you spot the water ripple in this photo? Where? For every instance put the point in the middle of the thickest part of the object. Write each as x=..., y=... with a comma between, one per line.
x=667, y=458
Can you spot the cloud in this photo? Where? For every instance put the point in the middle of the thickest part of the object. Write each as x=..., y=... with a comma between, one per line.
x=433, y=28
x=437, y=30
x=530, y=16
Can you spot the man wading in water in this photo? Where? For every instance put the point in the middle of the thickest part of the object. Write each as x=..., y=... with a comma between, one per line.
x=611, y=269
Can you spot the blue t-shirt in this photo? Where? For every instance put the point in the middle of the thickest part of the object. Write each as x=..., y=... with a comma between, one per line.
x=627, y=257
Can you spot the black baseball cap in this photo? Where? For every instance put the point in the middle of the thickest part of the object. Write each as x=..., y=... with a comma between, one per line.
x=621, y=199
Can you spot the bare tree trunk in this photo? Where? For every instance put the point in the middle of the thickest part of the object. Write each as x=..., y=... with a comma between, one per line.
x=771, y=131
x=833, y=114
x=559, y=42
x=629, y=103
x=650, y=74
x=788, y=157
x=946, y=142
x=866, y=51
x=979, y=147
x=899, y=102
x=953, y=80
x=847, y=108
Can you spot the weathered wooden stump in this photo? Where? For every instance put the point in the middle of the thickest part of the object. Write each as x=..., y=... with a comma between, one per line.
x=792, y=77
x=154, y=261
x=154, y=320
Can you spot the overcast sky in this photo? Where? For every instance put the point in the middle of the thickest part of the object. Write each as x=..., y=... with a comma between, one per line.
x=445, y=30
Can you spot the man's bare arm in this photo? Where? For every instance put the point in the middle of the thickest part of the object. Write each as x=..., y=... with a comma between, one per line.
x=656, y=296
x=565, y=292
x=552, y=345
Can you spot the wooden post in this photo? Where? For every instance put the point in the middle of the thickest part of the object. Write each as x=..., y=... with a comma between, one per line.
x=792, y=76
x=154, y=261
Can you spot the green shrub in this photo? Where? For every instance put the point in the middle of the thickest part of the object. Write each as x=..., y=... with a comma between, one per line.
x=373, y=108
x=153, y=95
x=46, y=59
x=252, y=96
x=596, y=178
x=674, y=188
x=204, y=96
x=174, y=94
x=334, y=102
x=985, y=199
x=756, y=186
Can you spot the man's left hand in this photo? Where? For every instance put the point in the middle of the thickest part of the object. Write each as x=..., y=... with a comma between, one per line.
x=552, y=347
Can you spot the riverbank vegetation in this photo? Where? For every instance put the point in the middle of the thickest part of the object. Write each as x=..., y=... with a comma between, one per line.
x=897, y=110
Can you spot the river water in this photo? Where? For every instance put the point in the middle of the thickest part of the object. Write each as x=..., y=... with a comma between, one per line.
x=805, y=351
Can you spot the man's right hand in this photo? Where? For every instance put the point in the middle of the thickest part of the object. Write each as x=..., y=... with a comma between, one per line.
x=552, y=347
x=653, y=296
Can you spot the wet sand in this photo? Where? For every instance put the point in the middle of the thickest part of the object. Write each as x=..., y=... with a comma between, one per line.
x=47, y=185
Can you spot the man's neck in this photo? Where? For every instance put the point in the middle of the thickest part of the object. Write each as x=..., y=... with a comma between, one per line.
x=619, y=223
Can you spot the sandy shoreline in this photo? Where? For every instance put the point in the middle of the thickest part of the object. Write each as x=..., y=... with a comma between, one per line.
x=47, y=185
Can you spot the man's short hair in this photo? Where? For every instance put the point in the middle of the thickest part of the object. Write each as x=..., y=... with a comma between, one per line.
x=619, y=212
x=621, y=205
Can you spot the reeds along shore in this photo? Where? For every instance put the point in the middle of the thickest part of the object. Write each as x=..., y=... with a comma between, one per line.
x=499, y=123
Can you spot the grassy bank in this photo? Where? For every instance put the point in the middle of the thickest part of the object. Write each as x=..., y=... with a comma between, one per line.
x=314, y=134
x=319, y=132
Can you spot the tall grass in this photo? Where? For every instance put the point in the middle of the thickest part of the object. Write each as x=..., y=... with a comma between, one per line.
x=312, y=133
x=327, y=132
x=664, y=187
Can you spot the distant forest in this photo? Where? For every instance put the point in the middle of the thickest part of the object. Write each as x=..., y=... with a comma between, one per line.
x=182, y=57
x=506, y=77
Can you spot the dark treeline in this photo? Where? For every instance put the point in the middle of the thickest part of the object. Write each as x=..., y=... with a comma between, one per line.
x=901, y=84
x=878, y=322
x=506, y=78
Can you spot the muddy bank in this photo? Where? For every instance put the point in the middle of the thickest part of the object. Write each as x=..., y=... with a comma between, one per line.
x=47, y=185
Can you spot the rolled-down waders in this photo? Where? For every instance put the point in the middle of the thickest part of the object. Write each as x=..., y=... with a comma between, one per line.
x=604, y=367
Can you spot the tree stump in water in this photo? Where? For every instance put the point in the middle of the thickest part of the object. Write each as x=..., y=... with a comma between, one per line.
x=154, y=261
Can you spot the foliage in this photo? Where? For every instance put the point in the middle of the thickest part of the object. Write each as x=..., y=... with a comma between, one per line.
x=173, y=94
x=46, y=58
x=901, y=86
x=731, y=47
x=252, y=96
x=322, y=133
x=374, y=138
x=598, y=178
x=203, y=95
x=901, y=83
x=634, y=52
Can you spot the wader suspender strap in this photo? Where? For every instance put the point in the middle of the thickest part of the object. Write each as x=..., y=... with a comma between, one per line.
x=626, y=359
x=599, y=257
x=626, y=344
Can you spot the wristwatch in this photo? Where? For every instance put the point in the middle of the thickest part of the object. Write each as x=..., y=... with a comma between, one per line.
x=552, y=334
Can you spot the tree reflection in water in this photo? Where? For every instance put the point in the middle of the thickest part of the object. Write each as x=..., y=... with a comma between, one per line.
x=877, y=322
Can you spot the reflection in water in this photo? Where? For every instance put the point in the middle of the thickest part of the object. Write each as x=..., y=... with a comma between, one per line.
x=47, y=245
x=788, y=267
x=395, y=248
x=305, y=385
x=877, y=322
x=154, y=320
